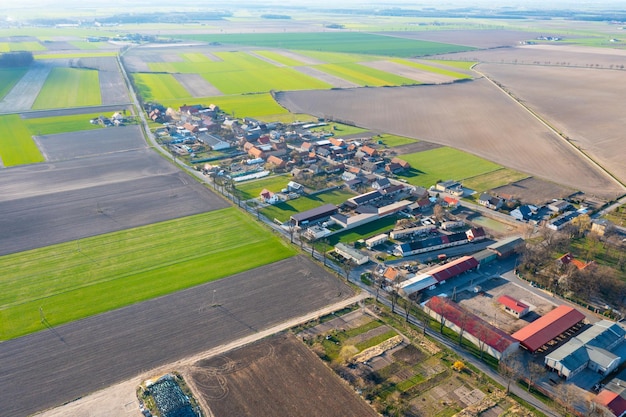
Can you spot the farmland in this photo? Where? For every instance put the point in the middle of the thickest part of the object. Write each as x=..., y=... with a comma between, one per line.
x=360, y=43
x=275, y=376
x=16, y=144
x=8, y=78
x=61, y=124
x=284, y=210
x=429, y=167
x=493, y=179
x=69, y=87
x=159, y=87
x=363, y=75
x=394, y=140
x=248, y=105
x=252, y=189
x=81, y=278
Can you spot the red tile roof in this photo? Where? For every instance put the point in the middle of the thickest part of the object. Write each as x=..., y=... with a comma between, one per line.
x=612, y=401
x=512, y=303
x=546, y=328
x=472, y=324
x=453, y=268
x=451, y=201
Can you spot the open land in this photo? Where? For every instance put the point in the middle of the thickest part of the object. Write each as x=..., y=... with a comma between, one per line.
x=584, y=110
x=197, y=85
x=69, y=87
x=534, y=190
x=24, y=93
x=63, y=363
x=16, y=143
x=275, y=376
x=113, y=189
x=483, y=39
x=461, y=115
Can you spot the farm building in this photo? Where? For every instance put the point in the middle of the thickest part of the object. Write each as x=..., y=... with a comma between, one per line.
x=613, y=401
x=362, y=199
x=314, y=215
x=412, y=231
x=439, y=274
x=506, y=247
x=548, y=327
x=485, y=256
x=452, y=225
x=601, y=226
x=488, y=338
x=430, y=244
x=512, y=306
x=562, y=221
x=591, y=349
x=351, y=254
x=475, y=234
x=376, y=240
x=450, y=187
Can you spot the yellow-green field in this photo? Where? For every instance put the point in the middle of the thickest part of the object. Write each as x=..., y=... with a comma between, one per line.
x=247, y=105
x=69, y=87
x=159, y=87
x=16, y=143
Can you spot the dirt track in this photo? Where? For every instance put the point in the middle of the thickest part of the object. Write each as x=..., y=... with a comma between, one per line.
x=54, y=366
x=474, y=116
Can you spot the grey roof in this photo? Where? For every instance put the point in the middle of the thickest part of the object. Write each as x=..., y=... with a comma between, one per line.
x=318, y=211
x=603, y=334
x=506, y=245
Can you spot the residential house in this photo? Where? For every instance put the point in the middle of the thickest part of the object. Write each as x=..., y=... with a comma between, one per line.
x=269, y=197
x=450, y=187
x=568, y=259
x=450, y=202
x=403, y=164
x=559, y=206
x=368, y=150
x=276, y=161
x=381, y=183
x=524, y=213
x=255, y=152
x=490, y=201
x=601, y=226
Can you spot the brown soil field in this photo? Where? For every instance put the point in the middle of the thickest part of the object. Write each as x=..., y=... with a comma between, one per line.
x=24, y=93
x=196, y=85
x=278, y=376
x=534, y=190
x=421, y=76
x=474, y=116
x=63, y=363
x=490, y=38
x=584, y=109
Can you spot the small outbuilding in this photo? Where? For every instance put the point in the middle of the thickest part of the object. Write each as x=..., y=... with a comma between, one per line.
x=512, y=306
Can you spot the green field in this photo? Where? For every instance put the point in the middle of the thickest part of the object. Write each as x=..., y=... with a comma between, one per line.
x=21, y=46
x=69, y=87
x=338, y=57
x=430, y=68
x=252, y=189
x=16, y=143
x=8, y=78
x=74, y=55
x=493, y=179
x=351, y=42
x=364, y=76
x=365, y=231
x=73, y=280
x=159, y=87
x=444, y=163
x=339, y=129
x=281, y=59
x=61, y=124
x=247, y=105
x=393, y=140
x=283, y=211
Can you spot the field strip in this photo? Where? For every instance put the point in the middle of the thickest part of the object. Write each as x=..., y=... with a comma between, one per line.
x=212, y=57
x=23, y=95
x=333, y=80
x=302, y=58
x=408, y=72
x=266, y=59
x=113, y=400
x=197, y=85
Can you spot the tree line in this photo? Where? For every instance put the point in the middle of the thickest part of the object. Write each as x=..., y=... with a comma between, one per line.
x=16, y=59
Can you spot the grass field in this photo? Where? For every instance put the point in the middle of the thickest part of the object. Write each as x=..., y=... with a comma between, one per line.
x=283, y=211
x=69, y=87
x=429, y=68
x=494, y=179
x=61, y=124
x=362, y=75
x=281, y=59
x=81, y=278
x=393, y=140
x=8, y=78
x=351, y=42
x=21, y=46
x=252, y=189
x=444, y=163
x=159, y=87
x=16, y=143
x=338, y=57
x=366, y=231
x=74, y=55
x=247, y=105
x=339, y=129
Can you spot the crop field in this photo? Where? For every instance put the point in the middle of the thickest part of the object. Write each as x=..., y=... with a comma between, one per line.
x=16, y=143
x=429, y=68
x=8, y=78
x=360, y=43
x=73, y=55
x=494, y=179
x=247, y=105
x=464, y=65
x=428, y=167
x=280, y=58
x=392, y=141
x=61, y=124
x=81, y=278
x=363, y=75
x=284, y=210
x=69, y=87
x=21, y=46
x=159, y=87
x=252, y=189
x=461, y=115
x=275, y=376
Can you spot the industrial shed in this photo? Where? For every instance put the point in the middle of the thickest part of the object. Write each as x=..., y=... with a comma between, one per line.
x=506, y=247
x=438, y=274
x=313, y=215
x=548, y=327
x=487, y=337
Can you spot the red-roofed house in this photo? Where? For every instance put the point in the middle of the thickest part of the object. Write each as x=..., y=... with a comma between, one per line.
x=392, y=274
x=278, y=163
x=368, y=150
x=404, y=164
x=450, y=202
x=475, y=234
x=488, y=338
x=546, y=328
x=256, y=152
x=269, y=197
x=514, y=307
x=612, y=401
x=568, y=258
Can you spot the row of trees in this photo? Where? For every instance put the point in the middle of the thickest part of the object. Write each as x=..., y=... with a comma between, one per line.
x=16, y=59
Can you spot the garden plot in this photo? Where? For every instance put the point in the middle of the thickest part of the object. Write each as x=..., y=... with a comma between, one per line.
x=473, y=116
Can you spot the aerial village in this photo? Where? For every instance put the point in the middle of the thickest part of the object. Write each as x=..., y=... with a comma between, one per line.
x=433, y=251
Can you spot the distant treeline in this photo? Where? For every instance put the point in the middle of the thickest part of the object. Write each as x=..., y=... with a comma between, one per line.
x=16, y=59
x=275, y=16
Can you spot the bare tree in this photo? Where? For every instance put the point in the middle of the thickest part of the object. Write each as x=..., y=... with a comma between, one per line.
x=347, y=266
x=509, y=366
x=464, y=320
x=534, y=371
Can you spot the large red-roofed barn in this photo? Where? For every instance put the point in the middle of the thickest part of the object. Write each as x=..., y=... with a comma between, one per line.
x=548, y=327
x=612, y=401
x=493, y=340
